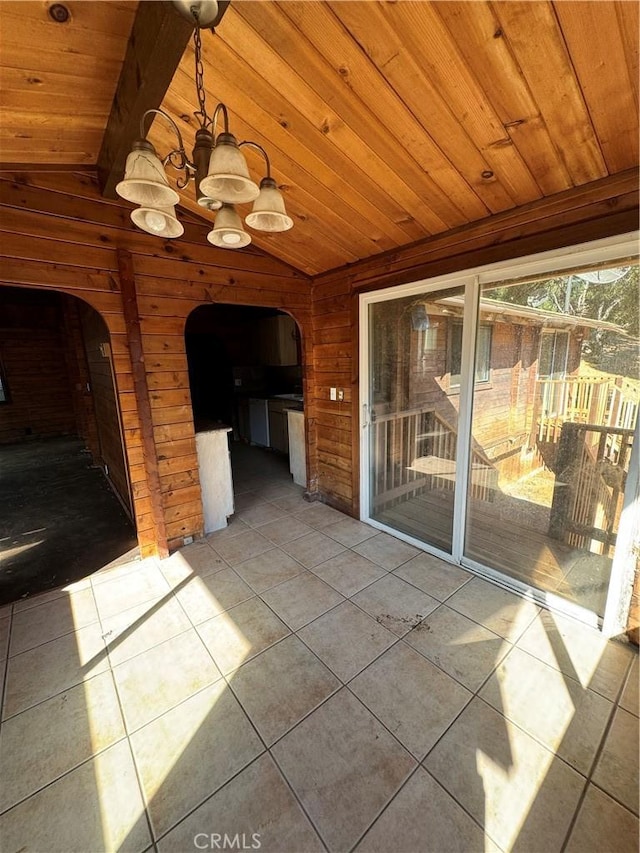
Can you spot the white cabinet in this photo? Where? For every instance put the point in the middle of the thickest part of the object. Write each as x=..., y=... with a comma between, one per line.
x=216, y=483
x=297, y=447
x=278, y=340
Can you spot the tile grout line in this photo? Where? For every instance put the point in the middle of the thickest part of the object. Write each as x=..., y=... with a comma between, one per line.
x=5, y=674
x=476, y=695
x=100, y=622
x=596, y=759
x=387, y=805
x=65, y=633
x=342, y=683
x=65, y=773
x=266, y=749
x=333, y=693
x=342, y=686
x=116, y=689
x=129, y=733
x=94, y=753
x=463, y=807
x=52, y=640
x=198, y=805
x=297, y=798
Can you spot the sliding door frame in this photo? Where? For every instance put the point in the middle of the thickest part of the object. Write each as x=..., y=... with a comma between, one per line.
x=610, y=250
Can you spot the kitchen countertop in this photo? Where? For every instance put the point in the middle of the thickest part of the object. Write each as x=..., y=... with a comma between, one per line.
x=297, y=398
x=248, y=395
x=204, y=425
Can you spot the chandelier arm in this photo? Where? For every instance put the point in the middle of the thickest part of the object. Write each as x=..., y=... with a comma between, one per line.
x=178, y=160
x=182, y=183
x=220, y=108
x=168, y=118
x=259, y=148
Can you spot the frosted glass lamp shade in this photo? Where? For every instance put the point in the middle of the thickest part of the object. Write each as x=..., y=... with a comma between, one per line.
x=160, y=221
x=228, y=232
x=208, y=203
x=145, y=182
x=228, y=177
x=268, y=212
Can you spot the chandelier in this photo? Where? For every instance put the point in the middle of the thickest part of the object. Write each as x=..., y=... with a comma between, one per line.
x=217, y=167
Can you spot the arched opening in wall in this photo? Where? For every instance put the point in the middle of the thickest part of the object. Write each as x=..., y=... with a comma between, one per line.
x=246, y=381
x=65, y=498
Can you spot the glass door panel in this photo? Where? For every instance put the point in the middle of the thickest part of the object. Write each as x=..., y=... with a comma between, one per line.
x=552, y=429
x=415, y=346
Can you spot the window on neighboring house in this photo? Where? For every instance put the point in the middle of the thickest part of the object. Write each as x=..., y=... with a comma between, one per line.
x=427, y=341
x=554, y=350
x=483, y=354
x=4, y=390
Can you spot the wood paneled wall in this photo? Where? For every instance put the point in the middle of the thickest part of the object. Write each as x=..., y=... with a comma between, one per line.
x=60, y=235
x=601, y=209
x=103, y=392
x=335, y=362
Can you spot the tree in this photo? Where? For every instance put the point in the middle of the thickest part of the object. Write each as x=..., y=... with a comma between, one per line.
x=616, y=302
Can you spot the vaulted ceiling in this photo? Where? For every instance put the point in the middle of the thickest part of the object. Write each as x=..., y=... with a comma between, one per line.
x=386, y=122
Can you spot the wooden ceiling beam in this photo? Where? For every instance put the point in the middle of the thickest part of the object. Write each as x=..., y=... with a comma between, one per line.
x=157, y=42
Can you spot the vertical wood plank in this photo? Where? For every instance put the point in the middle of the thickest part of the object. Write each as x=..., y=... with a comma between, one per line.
x=134, y=337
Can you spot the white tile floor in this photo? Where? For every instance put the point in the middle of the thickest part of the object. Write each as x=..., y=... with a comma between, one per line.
x=301, y=677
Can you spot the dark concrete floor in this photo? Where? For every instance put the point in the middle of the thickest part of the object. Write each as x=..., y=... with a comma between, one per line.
x=59, y=519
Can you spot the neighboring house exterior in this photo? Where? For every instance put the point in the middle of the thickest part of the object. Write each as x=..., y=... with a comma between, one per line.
x=522, y=356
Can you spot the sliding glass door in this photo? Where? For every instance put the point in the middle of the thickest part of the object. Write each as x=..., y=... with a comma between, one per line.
x=554, y=416
x=498, y=418
x=415, y=358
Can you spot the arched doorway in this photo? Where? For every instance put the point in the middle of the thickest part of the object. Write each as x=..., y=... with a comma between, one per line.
x=246, y=373
x=65, y=498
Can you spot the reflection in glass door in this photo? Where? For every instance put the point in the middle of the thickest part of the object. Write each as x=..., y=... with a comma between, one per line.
x=499, y=419
x=415, y=351
x=555, y=416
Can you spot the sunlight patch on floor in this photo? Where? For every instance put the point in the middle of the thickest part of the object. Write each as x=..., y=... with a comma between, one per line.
x=510, y=791
x=118, y=818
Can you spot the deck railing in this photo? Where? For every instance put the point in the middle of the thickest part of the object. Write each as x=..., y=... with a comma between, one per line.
x=623, y=404
x=602, y=401
x=592, y=466
x=575, y=400
x=415, y=451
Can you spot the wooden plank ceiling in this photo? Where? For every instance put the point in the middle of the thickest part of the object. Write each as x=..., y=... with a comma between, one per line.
x=57, y=80
x=385, y=122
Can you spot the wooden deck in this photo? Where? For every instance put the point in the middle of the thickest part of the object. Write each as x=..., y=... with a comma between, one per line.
x=496, y=539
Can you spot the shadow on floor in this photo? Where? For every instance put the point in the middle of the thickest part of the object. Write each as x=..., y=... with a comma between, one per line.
x=59, y=518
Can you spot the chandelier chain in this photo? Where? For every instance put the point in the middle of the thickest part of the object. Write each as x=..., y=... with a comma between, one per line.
x=201, y=115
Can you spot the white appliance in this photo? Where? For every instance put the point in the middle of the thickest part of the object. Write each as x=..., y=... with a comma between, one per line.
x=259, y=421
